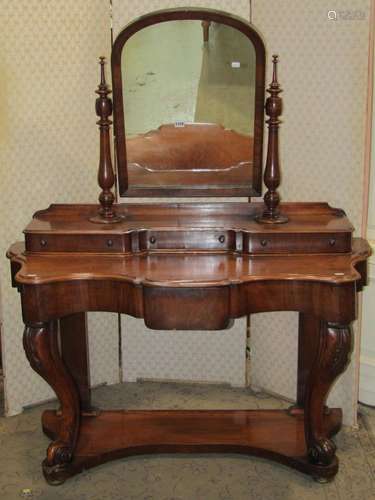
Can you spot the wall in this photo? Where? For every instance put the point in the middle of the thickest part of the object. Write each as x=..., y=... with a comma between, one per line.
x=48, y=152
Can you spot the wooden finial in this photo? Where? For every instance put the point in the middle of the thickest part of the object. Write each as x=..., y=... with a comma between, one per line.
x=106, y=177
x=271, y=214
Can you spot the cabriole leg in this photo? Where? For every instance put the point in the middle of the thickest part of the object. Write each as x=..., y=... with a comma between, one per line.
x=41, y=346
x=331, y=359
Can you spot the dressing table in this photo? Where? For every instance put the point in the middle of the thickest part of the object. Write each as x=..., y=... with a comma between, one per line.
x=189, y=266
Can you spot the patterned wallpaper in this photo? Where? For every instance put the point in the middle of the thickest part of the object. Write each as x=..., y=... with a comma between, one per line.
x=198, y=356
x=48, y=152
x=124, y=11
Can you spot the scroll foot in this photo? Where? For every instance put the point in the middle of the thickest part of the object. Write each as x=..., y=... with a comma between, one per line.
x=54, y=474
x=322, y=452
x=332, y=356
x=41, y=347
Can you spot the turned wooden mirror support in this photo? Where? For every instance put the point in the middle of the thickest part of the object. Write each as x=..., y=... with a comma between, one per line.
x=271, y=214
x=106, y=176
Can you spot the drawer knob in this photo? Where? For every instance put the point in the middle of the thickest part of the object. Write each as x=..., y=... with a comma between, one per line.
x=222, y=238
x=43, y=243
x=264, y=243
x=332, y=242
x=109, y=243
x=152, y=240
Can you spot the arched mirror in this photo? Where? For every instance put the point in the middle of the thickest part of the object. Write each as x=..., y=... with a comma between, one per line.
x=188, y=90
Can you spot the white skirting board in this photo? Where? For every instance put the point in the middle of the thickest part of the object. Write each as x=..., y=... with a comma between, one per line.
x=367, y=359
x=367, y=381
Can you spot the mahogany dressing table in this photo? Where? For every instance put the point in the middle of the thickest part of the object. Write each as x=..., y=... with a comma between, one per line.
x=189, y=266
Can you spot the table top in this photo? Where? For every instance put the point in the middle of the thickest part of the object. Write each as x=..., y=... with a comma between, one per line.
x=189, y=244
x=189, y=266
x=193, y=269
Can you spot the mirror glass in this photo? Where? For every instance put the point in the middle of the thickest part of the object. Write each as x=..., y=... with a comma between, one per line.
x=189, y=105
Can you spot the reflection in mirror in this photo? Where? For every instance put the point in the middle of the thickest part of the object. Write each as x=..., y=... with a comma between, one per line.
x=189, y=102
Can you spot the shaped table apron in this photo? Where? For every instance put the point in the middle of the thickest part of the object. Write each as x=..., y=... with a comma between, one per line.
x=189, y=307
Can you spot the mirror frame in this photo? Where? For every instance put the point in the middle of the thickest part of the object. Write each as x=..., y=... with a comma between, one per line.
x=182, y=14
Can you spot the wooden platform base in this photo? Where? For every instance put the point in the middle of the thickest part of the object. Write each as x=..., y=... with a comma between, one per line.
x=274, y=434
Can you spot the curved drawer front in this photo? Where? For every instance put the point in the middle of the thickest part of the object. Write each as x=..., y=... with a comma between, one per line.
x=232, y=240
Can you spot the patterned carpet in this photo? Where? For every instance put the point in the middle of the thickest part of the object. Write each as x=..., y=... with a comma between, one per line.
x=182, y=477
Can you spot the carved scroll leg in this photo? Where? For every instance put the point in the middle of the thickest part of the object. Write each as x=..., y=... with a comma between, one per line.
x=41, y=347
x=333, y=353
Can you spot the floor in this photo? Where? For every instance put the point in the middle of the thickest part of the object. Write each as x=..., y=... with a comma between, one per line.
x=182, y=477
